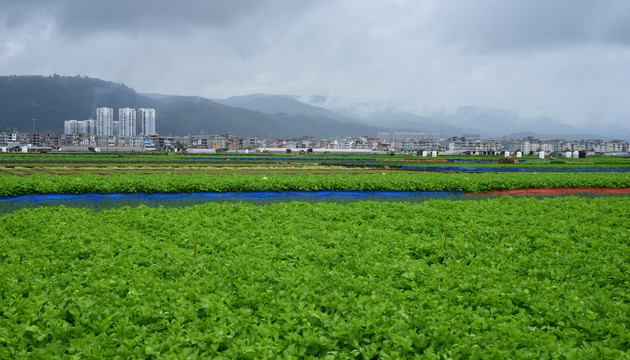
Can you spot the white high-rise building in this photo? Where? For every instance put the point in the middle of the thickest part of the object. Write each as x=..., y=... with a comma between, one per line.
x=87, y=127
x=105, y=121
x=116, y=127
x=147, y=121
x=70, y=127
x=127, y=122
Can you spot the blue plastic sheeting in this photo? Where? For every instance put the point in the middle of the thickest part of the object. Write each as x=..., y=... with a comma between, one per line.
x=164, y=196
x=397, y=194
x=489, y=169
x=98, y=198
x=439, y=194
x=478, y=161
x=94, y=198
x=261, y=195
x=59, y=198
x=211, y=196
x=352, y=194
x=301, y=195
x=472, y=161
x=17, y=198
x=273, y=159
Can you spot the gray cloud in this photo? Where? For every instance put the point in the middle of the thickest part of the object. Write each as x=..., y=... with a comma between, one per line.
x=86, y=16
x=564, y=59
x=497, y=25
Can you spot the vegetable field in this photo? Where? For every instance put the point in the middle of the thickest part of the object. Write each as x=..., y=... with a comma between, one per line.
x=501, y=278
x=419, y=181
x=121, y=163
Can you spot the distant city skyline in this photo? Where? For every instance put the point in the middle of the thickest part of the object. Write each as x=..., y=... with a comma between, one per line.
x=408, y=142
x=125, y=126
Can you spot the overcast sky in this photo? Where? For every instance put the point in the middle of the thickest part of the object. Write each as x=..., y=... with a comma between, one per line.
x=566, y=59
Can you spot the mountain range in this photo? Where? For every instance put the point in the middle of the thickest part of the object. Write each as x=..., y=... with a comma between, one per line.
x=52, y=99
x=44, y=102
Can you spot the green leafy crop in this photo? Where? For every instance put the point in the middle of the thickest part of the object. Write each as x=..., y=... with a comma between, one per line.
x=420, y=181
x=501, y=278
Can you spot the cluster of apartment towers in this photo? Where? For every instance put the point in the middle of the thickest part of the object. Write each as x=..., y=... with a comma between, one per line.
x=105, y=125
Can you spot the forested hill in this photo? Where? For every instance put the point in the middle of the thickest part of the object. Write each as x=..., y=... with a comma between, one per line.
x=52, y=99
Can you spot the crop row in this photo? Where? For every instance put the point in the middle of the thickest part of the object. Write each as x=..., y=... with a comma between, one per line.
x=502, y=278
x=420, y=181
x=333, y=158
x=534, y=164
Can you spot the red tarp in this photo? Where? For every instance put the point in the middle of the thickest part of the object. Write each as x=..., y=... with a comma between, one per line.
x=555, y=192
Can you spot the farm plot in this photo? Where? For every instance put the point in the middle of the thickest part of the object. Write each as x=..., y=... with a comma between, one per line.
x=106, y=164
x=502, y=278
x=419, y=181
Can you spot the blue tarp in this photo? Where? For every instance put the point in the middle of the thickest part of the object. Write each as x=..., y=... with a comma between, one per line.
x=352, y=194
x=95, y=198
x=261, y=195
x=164, y=196
x=490, y=169
x=98, y=198
x=396, y=194
x=17, y=198
x=304, y=195
x=211, y=196
x=476, y=161
x=272, y=159
x=59, y=198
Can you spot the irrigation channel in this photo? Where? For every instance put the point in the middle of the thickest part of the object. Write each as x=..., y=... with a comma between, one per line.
x=113, y=200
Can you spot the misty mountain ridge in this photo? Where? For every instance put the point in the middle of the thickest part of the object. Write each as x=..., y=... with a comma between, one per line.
x=284, y=104
x=271, y=104
x=497, y=123
x=486, y=122
x=403, y=121
x=53, y=99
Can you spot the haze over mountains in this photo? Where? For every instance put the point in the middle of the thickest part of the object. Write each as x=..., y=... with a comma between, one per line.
x=487, y=123
x=52, y=99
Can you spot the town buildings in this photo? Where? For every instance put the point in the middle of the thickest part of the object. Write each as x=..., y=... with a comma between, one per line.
x=127, y=122
x=105, y=121
x=146, y=117
x=108, y=134
x=87, y=127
